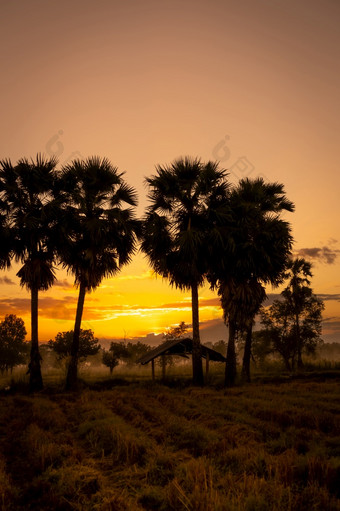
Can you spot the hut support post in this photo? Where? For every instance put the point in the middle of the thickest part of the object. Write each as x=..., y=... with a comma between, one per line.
x=153, y=369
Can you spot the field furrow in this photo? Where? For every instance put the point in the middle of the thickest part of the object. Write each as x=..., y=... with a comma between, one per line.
x=143, y=446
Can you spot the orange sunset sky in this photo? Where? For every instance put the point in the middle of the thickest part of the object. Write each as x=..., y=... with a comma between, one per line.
x=252, y=83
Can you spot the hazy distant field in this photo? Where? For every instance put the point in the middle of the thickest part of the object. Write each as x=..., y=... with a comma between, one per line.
x=261, y=447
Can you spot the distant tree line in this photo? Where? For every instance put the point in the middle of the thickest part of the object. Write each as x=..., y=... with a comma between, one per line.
x=197, y=228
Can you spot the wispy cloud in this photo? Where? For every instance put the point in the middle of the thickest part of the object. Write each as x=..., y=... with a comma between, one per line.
x=147, y=275
x=325, y=254
x=114, y=311
x=65, y=284
x=323, y=296
x=328, y=297
x=7, y=281
x=49, y=307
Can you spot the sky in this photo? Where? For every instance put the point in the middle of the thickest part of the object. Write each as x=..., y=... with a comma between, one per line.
x=251, y=83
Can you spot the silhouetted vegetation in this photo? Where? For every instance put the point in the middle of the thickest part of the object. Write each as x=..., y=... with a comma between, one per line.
x=62, y=344
x=185, y=198
x=126, y=352
x=110, y=359
x=253, y=250
x=30, y=213
x=13, y=348
x=293, y=324
x=196, y=227
x=100, y=231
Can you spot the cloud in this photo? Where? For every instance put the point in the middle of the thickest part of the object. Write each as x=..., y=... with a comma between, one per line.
x=326, y=297
x=63, y=284
x=18, y=306
x=7, y=281
x=327, y=255
x=147, y=275
x=48, y=307
x=329, y=297
x=65, y=308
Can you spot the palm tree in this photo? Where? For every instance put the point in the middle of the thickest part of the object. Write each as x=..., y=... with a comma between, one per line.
x=99, y=234
x=6, y=245
x=240, y=301
x=297, y=294
x=27, y=189
x=258, y=243
x=185, y=197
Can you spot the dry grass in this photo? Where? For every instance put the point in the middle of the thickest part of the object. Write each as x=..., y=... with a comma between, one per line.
x=261, y=447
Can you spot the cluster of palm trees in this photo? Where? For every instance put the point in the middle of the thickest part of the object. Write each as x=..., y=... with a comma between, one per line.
x=196, y=228
x=80, y=217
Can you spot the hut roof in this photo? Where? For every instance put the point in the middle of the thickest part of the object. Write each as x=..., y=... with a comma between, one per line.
x=181, y=347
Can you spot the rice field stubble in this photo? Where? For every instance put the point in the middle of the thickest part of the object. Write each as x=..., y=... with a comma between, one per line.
x=261, y=447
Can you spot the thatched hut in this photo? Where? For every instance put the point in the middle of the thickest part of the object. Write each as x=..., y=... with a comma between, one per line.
x=179, y=347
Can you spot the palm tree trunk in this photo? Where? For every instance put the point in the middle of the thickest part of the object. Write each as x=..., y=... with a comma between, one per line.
x=197, y=368
x=247, y=355
x=72, y=373
x=36, y=382
x=230, y=366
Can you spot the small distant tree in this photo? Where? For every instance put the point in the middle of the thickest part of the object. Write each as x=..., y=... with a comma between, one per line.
x=176, y=332
x=88, y=344
x=119, y=350
x=288, y=338
x=136, y=350
x=13, y=348
x=129, y=353
x=173, y=332
x=299, y=296
x=110, y=359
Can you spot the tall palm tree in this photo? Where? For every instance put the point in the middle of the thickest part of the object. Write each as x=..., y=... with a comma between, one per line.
x=100, y=232
x=258, y=243
x=27, y=190
x=297, y=293
x=185, y=197
x=240, y=301
x=6, y=245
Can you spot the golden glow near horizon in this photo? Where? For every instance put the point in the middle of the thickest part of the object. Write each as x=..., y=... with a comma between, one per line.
x=253, y=84
x=127, y=305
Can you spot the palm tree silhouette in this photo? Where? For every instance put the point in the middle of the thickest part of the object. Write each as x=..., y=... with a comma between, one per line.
x=27, y=189
x=176, y=229
x=258, y=244
x=6, y=245
x=99, y=234
x=240, y=300
x=297, y=293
